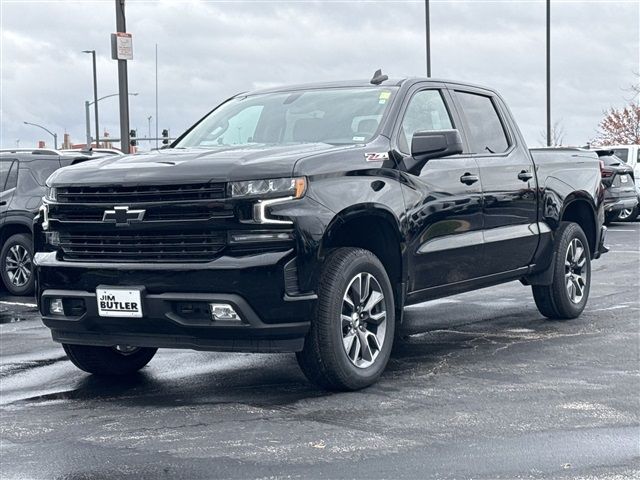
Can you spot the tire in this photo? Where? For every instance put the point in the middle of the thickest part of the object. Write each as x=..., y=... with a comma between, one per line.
x=108, y=361
x=16, y=264
x=628, y=214
x=336, y=356
x=567, y=295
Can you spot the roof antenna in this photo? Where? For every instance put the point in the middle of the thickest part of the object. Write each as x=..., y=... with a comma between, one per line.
x=378, y=77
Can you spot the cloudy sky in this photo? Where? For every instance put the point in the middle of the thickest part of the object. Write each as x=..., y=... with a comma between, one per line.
x=209, y=50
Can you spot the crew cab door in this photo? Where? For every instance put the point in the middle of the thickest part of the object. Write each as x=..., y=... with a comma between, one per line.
x=508, y=180
x=443, y=201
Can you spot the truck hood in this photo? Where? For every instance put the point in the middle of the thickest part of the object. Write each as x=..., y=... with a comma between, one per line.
x=178, y=165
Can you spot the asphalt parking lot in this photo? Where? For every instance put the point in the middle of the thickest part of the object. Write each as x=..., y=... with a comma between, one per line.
x=491, y=390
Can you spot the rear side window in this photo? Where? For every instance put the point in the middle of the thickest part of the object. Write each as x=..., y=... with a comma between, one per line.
x=426, y=111
x=622, y=153
x=8, y=175
x=485, y=132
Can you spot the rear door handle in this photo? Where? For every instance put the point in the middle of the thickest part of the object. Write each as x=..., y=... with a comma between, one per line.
x=525, y=176
x=3, y=203
x=469, y=179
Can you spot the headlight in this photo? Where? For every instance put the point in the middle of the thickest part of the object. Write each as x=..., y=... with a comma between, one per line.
x=290, y=187
x=51, y=194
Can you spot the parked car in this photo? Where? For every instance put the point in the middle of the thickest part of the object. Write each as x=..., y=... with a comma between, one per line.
x=303, y=219
x=23, y=173
x=621, y=196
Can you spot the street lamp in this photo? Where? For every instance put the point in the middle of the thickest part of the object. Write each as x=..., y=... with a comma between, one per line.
x=55, y=137
x=95, y=93
x=87, y=104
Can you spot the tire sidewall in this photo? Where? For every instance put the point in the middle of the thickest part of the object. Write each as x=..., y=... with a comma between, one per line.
x=568, y=234
x=360, y=377
x=24, y=241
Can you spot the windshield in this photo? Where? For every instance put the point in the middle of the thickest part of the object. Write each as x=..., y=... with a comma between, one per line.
x=335, y=116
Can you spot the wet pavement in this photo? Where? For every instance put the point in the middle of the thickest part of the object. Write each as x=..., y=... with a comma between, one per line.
x=491, y=390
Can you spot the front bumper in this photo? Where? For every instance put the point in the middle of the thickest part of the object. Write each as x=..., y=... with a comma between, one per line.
x=272, y=319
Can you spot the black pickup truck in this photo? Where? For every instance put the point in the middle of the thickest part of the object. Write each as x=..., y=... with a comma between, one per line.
x=303, y=219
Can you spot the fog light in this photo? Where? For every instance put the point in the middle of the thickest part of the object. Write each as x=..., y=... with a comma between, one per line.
x=56, y=307
x=223, y=311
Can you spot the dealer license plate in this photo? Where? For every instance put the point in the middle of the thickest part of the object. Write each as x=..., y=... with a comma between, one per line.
x=119, y=301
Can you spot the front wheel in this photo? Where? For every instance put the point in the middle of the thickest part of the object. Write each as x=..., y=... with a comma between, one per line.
x=350, y=340
x=16, y=264
x=118, y=360
x=567, y=295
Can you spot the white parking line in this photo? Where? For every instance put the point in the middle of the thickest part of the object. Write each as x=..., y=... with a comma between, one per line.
x=20, y=304
x=620, y=230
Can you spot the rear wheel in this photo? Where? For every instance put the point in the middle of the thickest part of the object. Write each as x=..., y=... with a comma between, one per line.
x=118, y=360
x=350, y=340
x=628, y=214
x=567, y=295
x=16, y=264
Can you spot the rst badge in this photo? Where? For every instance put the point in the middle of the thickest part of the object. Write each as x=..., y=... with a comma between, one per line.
x=123, y=216
x=376, y=156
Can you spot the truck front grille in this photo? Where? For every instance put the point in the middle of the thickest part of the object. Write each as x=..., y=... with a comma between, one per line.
x=118, y=195
x=157, y=213
x=192, y=246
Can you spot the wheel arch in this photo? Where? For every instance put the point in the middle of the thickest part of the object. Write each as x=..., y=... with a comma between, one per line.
x=13, y=228
x=578, y=209
x=374, y=228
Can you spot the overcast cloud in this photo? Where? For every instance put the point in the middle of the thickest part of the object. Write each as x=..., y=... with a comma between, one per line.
x=211, y=50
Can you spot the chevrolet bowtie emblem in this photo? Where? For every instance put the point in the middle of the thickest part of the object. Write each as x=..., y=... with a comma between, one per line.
x=122, y=216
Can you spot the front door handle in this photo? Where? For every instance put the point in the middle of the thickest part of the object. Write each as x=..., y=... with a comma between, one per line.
x=525, y=176
x=469, y=179
x=3, y=203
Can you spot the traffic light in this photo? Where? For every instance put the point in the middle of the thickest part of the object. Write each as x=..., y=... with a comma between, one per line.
x=165, y=137
x=132, y=135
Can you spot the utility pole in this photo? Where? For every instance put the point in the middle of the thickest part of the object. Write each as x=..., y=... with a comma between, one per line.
x=428, y=32
x=87, y=119
x=95, y=95
x=95, y=98
x=548, y=73
x=156, y=97
x=123, y=87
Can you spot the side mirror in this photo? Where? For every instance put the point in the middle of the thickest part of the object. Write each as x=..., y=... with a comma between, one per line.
x=432, y=144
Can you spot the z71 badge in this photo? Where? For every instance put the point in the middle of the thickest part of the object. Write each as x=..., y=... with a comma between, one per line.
x=376, y=157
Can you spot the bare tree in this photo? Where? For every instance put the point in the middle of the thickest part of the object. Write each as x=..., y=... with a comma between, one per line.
x=620, y=126
x=557, y=135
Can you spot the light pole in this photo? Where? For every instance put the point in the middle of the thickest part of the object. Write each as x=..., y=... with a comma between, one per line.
x=548, y=73
x=87, y=104
x=95, y=93
x=149, y=135
x=428, y=35
x=55, y=137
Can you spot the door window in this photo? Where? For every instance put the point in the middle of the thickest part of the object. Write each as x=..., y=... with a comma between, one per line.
x=485, y=130
x=426, y=111
x=6, y=169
